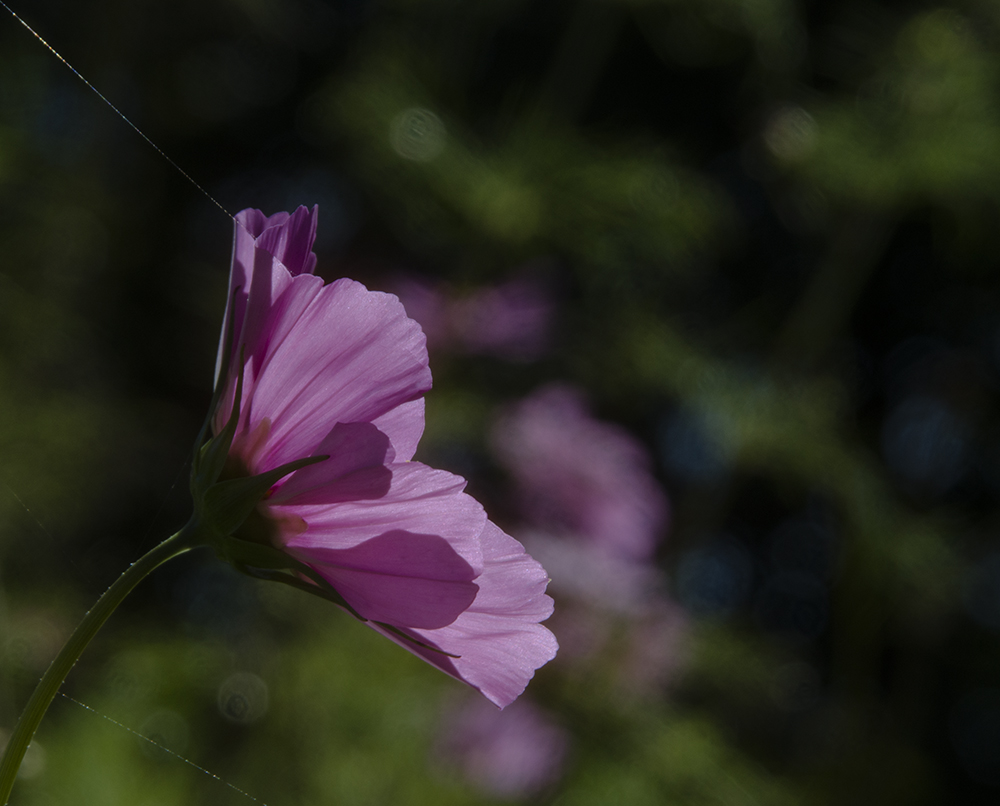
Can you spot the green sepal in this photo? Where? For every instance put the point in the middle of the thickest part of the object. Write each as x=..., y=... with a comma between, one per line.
x=226, y=504
x=201, y=452
x=398, y=632
x=267, y=562
x=247, y=554
x=210, y=458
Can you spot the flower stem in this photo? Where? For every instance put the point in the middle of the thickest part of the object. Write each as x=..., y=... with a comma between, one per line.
x=53, y=678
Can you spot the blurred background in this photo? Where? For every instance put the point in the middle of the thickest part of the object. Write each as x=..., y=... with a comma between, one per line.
x=711, y=295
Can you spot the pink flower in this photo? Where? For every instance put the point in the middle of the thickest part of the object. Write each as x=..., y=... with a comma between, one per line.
x=512, y=321
x=513, y=754
x=581, y=476
x=338, y=371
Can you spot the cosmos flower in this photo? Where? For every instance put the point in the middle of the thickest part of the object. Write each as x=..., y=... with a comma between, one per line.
x=330, y=381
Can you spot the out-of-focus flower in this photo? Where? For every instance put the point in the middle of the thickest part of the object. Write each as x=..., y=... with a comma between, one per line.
x=579, y=475
x=512, y=320
x=330, y=409
x=512, y=754
x=593, y=515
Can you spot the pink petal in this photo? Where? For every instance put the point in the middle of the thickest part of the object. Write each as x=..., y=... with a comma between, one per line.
x=419, y=500
x=401, y=578
x=271, y=309
x=351, y=355
x=352, y=447
x=274, y=303
x=284, y=239
x=404, y=425
x=291, y=240
x=498, y=639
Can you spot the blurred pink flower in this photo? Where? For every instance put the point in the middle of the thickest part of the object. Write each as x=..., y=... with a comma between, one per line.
x=512, y=754
x=512, y=320
x=580, y=476
x=594, y=516
x=340, y=371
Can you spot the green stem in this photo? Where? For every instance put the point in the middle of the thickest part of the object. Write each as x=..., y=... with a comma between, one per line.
x=52, y=680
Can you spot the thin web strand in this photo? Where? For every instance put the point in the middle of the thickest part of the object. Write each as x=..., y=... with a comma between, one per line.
x=163, y=502
x=36, y=519
x=117, y=111
x=155, y=743
x=214, y=201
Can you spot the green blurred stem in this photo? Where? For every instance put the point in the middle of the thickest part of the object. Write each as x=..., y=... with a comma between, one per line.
x=827, y=304
x=52, y=680
x=586, y=46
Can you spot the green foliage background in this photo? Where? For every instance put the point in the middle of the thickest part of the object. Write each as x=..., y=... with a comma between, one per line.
x=743, y=207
